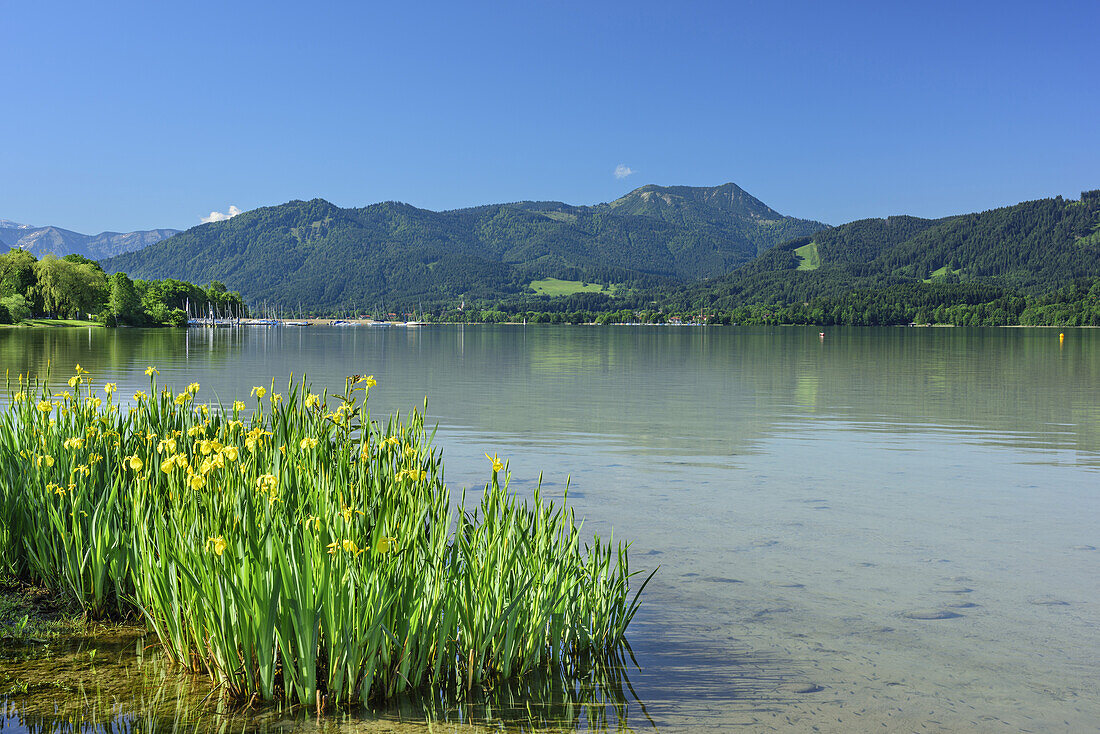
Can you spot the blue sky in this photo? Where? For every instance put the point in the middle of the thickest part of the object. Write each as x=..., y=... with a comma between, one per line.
x=139, y=115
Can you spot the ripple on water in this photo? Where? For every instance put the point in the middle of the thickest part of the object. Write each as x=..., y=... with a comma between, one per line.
x=763, y=614
x=929, y=614
x=1047, y=601
x=799, y=688
x=952, y=589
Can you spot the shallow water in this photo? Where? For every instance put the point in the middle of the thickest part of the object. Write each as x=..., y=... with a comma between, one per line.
x=884, y=529
x=115, y=680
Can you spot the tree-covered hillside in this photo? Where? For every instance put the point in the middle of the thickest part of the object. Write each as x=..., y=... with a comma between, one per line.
x=666, y=248
x=325, y=257
x=1031, y=248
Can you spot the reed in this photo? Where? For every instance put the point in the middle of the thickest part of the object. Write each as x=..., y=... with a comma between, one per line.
x=296, y=548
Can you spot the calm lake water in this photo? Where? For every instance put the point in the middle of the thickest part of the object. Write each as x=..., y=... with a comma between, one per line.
x=878, y=530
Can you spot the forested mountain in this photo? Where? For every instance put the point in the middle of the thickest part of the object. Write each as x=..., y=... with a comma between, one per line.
x=41, y=240
x=317, y=254
x=1030, y=248
x=672, y=248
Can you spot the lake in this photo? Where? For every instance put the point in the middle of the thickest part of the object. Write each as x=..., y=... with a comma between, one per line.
x=879, y=529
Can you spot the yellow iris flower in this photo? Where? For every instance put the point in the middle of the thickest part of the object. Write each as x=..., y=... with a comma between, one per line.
x=497, y=463
x=348, y=546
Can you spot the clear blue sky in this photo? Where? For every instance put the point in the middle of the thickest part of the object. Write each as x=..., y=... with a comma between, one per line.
x=130, y=116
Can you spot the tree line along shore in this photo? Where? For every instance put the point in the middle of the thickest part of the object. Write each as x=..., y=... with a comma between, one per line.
x=74, y=287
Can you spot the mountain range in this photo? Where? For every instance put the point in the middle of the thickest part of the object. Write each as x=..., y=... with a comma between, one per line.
x=684, y=247
x=41, y=240
x=315, y=253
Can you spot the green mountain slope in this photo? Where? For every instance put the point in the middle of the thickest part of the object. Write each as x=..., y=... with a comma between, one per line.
x=318, y=254
x=1031, y=247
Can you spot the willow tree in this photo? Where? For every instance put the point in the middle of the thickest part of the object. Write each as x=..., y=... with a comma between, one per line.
x=70, y=288
x=17, y=273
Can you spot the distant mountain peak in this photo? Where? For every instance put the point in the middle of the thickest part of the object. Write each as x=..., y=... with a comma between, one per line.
x=728, y=201
x=8, y=224
x=41, y=240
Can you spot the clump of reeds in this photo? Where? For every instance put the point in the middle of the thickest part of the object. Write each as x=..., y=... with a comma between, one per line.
x=298, y=549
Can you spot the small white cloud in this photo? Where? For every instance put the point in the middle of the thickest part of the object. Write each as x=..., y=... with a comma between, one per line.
x=622, y=171
x=219, y=217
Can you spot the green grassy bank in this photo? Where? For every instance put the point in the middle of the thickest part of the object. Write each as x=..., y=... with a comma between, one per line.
x=49, y=323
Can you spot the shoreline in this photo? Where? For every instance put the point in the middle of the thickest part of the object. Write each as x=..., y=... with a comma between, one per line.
x=53, y=324
x=291, y=323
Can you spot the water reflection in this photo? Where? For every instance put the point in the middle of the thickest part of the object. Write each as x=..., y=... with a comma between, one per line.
x=700, y=391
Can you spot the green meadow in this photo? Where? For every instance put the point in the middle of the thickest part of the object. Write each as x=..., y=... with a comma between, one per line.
x=555, y=287
x=808, y=256
x=52, y=323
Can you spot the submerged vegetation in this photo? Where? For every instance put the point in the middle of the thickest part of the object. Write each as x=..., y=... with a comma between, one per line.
x=294, y=548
